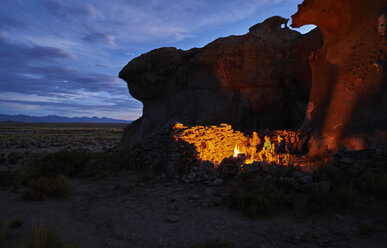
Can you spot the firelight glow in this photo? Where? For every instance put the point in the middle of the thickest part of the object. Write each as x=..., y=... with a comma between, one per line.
x=215, y=143
x=237, y=151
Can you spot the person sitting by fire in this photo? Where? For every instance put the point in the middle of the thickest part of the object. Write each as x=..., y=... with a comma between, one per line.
x=267, y=150
x=287, y=142
x=281, y=152
x=281, y=147
x=253, y=143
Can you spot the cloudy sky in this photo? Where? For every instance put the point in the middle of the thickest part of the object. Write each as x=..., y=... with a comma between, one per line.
x=62, y=57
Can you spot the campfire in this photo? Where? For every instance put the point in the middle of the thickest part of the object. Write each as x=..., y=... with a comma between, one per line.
x=215, y=143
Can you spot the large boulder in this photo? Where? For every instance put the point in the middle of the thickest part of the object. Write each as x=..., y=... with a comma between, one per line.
x=348, y=99
x=253, y=81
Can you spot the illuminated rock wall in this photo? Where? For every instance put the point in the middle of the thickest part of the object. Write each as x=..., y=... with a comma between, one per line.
x=348, y=99
x=179, y=147
x=213, y=143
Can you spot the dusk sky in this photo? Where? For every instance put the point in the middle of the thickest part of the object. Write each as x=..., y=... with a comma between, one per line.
x=63, y=57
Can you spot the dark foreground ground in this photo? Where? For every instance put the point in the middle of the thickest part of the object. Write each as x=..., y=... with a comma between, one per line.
x=133, y=210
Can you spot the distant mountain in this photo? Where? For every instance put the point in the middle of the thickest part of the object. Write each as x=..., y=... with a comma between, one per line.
x=57, y=119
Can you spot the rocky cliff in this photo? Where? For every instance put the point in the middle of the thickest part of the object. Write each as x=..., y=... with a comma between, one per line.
x=258, y=80
x=348, y=98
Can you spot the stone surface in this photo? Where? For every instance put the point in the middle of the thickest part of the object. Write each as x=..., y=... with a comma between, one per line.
x=209, y=192
x=348, y=98
x=217, y=181
x=173, y=218
x=253, y=81
x=304, y=180
x=347, y=160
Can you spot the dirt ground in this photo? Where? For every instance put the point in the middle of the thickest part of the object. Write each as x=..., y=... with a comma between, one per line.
x=127, y=211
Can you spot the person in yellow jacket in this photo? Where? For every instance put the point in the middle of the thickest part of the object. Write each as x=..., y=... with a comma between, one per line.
x=267, y=150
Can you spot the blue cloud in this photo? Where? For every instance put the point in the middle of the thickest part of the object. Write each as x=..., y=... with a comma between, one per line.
x=40, y=70
x=69, y=12
x=98, y=37
x=7, y=22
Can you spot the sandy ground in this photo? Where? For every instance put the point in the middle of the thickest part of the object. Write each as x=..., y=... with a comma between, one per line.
x=127, y=212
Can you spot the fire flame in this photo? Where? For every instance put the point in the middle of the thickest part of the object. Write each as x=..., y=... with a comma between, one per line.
x=237, y=151
x=215, y=143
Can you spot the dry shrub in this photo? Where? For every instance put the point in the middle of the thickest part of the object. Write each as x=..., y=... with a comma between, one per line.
x=344, y=197
x=42, y=188
x=83, y=163
x=46, y=177
x=256, y=198
x=376, y=185
x=7, y=178
x=16, y=223
x=366, y=229
x=319, y=199
x=46, y=237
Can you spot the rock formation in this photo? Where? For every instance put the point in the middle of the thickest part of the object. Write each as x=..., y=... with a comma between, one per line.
x=257, y=80
x=348, y=99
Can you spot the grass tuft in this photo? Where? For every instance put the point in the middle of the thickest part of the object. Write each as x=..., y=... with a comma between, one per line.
x=42, y=188
x=46, y=237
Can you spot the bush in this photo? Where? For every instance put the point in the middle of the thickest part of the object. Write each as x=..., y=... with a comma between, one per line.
x=14, y=157
x=339, y=197
x=108, y=163
x=15, y=224
x=213, y=243
x=3, y=160
x=68, y=163
x=366, y=229
x=376, y=185
x=7, y=178
x=318, y=199
x=344, y=196
x=46, y=187
x=254, y=197
x=46, y=177
x=82, y=163
x=45, y=237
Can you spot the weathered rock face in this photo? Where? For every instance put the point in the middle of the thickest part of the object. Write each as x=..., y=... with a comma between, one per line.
x=254, y=81
x=348, y=98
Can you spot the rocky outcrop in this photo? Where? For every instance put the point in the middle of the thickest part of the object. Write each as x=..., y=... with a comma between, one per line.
x=348, y=99
x=257, y=80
